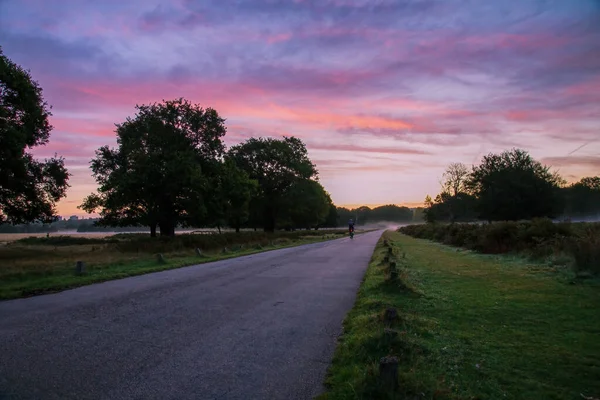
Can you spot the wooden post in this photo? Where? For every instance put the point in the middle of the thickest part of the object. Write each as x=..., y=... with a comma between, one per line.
x=389, y=334
x=393, y=271
x=80, y=267
x=390, y=315
x=388, y=373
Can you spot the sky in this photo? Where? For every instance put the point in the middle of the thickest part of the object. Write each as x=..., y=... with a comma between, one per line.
x=384, y=93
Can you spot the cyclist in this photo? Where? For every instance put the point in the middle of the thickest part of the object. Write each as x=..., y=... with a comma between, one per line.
x=351, y=225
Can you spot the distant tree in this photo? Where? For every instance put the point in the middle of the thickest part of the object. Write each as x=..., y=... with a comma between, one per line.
x=446, y=207
x=277, y=165
x=390, y=213
x=160, y=173
x=455, y=178
x=513, y=186
x=29, y=189
x=361, y=215
x=344, y=214
x=418, y=214
x=583, y=198
x=454, y=203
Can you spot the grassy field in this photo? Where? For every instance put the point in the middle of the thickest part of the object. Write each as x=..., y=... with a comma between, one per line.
x=470, y=326
x=35, y=265
x=576, y=245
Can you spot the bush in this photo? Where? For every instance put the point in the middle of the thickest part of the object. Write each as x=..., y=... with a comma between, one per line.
x=586, y=250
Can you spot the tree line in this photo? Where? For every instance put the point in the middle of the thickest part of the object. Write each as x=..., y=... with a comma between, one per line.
x=170, y=169
x=386, y=213
x=511, y=186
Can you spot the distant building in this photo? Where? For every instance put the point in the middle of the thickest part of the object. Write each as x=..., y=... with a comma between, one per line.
x=73, y=218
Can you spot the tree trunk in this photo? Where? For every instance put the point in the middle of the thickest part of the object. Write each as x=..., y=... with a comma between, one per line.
x=219, y=228
x=237, y=229
x=167, y=228
x=269, y=219
x=153, y=230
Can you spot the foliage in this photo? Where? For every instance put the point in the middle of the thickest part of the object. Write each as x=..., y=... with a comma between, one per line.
x=509, y=186
x=159, y=174
x=454, y=208
x=230, y=196
x=513, y=186
x=539, y=239
x=305, y=205
x=583, y=198
x=276, y=165
x=29, y=189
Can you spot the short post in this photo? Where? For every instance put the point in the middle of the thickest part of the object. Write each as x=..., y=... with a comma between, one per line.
x=160, y=258
x=388, y=373
x=393, y=271
x=80, y=267
x=389, y=334
x=390, y=315
x=199, y=252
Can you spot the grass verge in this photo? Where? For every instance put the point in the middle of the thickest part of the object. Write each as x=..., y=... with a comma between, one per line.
x=32, y=269
x=469, y=326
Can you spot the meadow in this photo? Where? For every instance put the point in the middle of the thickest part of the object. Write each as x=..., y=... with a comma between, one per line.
x=574, y=245
x=467, y=326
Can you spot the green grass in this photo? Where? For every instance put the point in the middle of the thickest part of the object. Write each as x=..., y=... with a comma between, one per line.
x=471, y=327
x=28, y=270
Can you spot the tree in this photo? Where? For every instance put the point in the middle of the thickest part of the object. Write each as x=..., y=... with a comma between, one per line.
x=344, y=214
x=29, y=189
x=583, y=198
x=276, y=165
x=231, y=192
x=453, y=208
x=454, y=203
x=306, y=205
x=332, y=219
x=455, y=179
x=513, y=186
x=160, y=173
x=390, y=213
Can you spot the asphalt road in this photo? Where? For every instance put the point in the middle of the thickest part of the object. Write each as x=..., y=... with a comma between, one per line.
x=257, y=327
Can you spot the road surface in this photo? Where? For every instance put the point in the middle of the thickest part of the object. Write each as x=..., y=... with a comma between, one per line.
x=257, y=327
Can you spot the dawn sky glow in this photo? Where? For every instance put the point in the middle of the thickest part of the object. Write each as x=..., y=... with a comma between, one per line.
x=384, y=93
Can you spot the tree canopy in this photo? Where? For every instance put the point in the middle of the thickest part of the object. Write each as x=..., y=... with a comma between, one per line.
x=513, y=186
x=160, y=172
x=506, y=186
x=29, y=188
x=277, y=165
